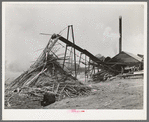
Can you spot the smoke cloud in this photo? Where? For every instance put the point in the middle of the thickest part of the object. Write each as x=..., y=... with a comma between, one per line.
x=110, y=40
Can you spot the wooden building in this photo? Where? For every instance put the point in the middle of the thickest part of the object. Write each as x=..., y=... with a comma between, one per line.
x=125, y=60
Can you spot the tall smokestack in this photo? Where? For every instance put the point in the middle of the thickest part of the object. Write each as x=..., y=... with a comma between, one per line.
x=120, y=32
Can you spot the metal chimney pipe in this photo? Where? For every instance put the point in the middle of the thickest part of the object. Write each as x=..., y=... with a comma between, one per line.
x=120, y=32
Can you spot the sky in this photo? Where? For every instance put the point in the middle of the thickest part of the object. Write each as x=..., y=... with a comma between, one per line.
x=96, y=28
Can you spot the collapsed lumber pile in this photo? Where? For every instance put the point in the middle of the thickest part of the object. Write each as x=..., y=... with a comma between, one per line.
x=31, y=97
x=102, y=75
x=127, y=75
x=46, y=74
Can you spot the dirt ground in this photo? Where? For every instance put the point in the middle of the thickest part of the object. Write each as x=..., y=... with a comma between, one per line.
x=115, y=94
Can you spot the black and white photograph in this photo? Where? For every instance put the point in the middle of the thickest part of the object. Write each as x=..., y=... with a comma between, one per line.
x=74, y=60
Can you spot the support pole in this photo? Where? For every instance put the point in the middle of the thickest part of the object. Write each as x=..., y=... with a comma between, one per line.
x=65, y=56
x=74, y=51
x=85, y=68
x=89, y=65
x=66, y=47
x=79, y=61
x=98, y=69
x=94, y=69
x=70, y=58
x=68, y=33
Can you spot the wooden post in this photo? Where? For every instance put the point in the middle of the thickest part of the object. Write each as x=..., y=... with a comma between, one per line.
x=65, y=56
x=89, y=64
x=79, y=61
x=94, y=69
x=85, y=68
x=57, y=88
x=66, y=47
x=74, y=50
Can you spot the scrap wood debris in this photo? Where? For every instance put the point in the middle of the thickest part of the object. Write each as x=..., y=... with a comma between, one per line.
x=45, y=75
x=102, y=75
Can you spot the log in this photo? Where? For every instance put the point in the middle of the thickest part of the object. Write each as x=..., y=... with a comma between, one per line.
x=61, y=92
x=34, y=78
x=66, y=93
x=57, y=88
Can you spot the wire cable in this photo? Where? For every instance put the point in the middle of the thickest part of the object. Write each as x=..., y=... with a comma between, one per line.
x=63, y=30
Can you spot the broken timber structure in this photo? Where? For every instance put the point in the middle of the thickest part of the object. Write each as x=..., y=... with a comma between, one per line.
x=47, y=74
x=97, y=62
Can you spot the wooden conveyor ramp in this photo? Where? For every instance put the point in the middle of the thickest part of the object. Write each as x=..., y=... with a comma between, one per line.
x=100, y=63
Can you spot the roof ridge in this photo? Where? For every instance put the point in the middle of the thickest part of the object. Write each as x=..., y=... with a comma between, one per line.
x=133, y=55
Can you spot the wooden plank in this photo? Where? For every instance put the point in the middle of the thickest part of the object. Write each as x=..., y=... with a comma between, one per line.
x=57, y=88
x=129, y=75
x=34, y=78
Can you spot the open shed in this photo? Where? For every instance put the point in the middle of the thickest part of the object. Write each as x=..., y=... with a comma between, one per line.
x=126, y=59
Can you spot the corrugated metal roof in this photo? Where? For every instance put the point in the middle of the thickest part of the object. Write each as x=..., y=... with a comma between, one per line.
x=126, y=57
x=134, y=56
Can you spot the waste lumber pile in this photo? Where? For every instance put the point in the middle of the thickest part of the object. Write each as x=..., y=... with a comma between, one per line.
x=102, y=75
x=46, y=74
x=130, y=75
